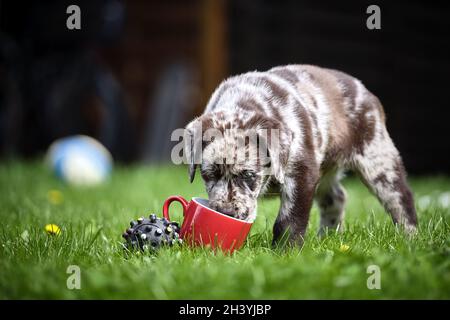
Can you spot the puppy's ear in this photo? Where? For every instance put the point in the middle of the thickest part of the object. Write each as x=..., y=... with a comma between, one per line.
x=277, y=139
x=194, y=143
x=190, y=146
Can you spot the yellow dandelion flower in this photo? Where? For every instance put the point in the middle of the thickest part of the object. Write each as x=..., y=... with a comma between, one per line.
x=52, y=229
x=55, y=197
x=344, y=248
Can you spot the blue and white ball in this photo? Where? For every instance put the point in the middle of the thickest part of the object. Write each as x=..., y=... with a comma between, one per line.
x=80, y=160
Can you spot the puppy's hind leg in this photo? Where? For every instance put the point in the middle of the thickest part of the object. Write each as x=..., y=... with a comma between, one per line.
x=330, y=197
x=381, y=169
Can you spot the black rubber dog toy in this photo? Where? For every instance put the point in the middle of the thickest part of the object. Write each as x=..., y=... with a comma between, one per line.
x=151, y=233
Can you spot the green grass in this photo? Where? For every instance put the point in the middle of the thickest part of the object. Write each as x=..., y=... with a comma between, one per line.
x=33, y=264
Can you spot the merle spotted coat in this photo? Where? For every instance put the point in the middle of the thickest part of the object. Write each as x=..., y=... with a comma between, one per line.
x=328, y=122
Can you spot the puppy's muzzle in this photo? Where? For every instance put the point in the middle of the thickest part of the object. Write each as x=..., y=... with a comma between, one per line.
x=230, y=210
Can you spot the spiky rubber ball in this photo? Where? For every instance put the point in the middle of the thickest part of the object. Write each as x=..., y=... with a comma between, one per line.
x=151, y=233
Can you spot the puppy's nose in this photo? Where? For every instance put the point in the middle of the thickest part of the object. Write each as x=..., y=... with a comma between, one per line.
x=234, y=212
x=227, y=211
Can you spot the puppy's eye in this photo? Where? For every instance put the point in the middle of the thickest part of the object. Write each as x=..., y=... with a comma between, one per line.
x=248, y=178
x=248, y=175
x=211, y=174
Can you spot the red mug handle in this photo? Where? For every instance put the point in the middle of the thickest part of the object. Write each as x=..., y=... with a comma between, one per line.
x=171, y=199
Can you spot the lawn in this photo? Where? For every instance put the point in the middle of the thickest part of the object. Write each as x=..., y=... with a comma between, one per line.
x=34, y=264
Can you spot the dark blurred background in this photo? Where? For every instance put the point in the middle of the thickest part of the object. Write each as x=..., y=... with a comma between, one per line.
x=138, y=69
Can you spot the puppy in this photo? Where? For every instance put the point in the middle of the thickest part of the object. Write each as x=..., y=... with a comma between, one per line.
x=325, y=122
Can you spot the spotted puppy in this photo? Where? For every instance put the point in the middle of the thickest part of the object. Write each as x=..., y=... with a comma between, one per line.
x=326, y=122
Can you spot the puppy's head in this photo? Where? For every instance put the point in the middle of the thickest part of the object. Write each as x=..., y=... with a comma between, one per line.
x=237, y=154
